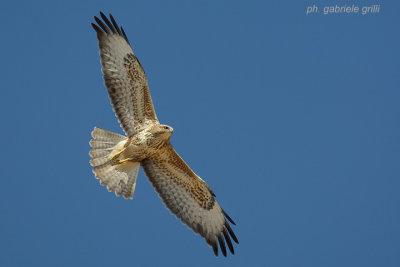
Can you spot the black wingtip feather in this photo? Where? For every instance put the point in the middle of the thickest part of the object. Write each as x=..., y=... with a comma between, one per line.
x=123, y=33
x=228, y=241
x=231, y=233
x=229, y=218
x=105, y=19
x=215, y=248
x=96, y=28
x=115, y=24
x=222, y=244
x=102, y=25
x=108, y=26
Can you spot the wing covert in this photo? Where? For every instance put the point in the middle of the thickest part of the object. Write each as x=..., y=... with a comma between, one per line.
x=124, y=77
x=189, y=198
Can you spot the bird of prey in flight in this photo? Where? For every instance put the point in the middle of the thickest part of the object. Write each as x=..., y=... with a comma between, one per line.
x=116, y=159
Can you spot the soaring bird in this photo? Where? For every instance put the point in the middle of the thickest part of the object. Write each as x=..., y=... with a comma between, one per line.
x=116, y=159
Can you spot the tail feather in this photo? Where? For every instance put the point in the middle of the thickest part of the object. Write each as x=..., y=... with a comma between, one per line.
x=98, y=144
x=130, y=185
x=122, y=179
x=99, y=161
x=99, y=153
x=106, y=136
x=114, y=179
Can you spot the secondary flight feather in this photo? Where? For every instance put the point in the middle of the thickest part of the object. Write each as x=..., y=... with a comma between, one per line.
x=116, y=159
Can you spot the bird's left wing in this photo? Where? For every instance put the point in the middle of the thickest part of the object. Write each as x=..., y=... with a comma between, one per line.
x=188, y=197
x=124, y=77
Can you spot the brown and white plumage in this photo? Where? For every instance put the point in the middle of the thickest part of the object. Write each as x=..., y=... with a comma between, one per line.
x=116, y=159
x=124, y=77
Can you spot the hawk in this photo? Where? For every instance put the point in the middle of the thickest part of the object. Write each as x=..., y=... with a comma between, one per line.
x=116, y=159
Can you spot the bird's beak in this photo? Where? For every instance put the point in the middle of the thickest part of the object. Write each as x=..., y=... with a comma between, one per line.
x=172, y=130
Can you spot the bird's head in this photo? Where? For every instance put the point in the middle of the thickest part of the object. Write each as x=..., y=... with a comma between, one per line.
x=166, y=128
x=163, y=131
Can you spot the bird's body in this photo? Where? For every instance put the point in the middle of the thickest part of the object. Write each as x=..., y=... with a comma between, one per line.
x=116, y=159
x=144, y=144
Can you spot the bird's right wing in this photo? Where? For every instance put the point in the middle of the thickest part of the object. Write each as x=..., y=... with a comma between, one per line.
x=189, y=198
x=124, y=77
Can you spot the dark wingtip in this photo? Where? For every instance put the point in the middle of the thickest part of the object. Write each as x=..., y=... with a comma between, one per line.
x=222, y=244
x=215, y=248
x=229, y=218
x=115, y=24
x=123, y=33
x=231, y=233
x=108, y=26
x=107, y=21
x=96, y=28
x=102, y=25
x=228, y=241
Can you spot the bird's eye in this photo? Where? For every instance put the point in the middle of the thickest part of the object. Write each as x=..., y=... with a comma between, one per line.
x=166, y=127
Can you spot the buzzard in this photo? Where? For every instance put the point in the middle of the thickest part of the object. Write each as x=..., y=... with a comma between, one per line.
x=116, y=159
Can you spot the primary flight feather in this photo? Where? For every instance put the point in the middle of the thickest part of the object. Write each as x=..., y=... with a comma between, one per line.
x=116, y=159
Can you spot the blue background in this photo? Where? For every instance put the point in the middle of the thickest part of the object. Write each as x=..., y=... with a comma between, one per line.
x=293, y=120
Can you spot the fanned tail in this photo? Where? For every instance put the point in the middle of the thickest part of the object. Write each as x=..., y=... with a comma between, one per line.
x=121, y=179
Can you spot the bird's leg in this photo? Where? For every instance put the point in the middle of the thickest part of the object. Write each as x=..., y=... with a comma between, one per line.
x=120, y=161
x=115, y=155
x=114, y=159
x=127, y=153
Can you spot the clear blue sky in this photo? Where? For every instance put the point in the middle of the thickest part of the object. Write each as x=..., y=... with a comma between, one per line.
x=292, y=119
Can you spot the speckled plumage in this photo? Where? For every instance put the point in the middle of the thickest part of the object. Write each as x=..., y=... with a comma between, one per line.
x=116, y=159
